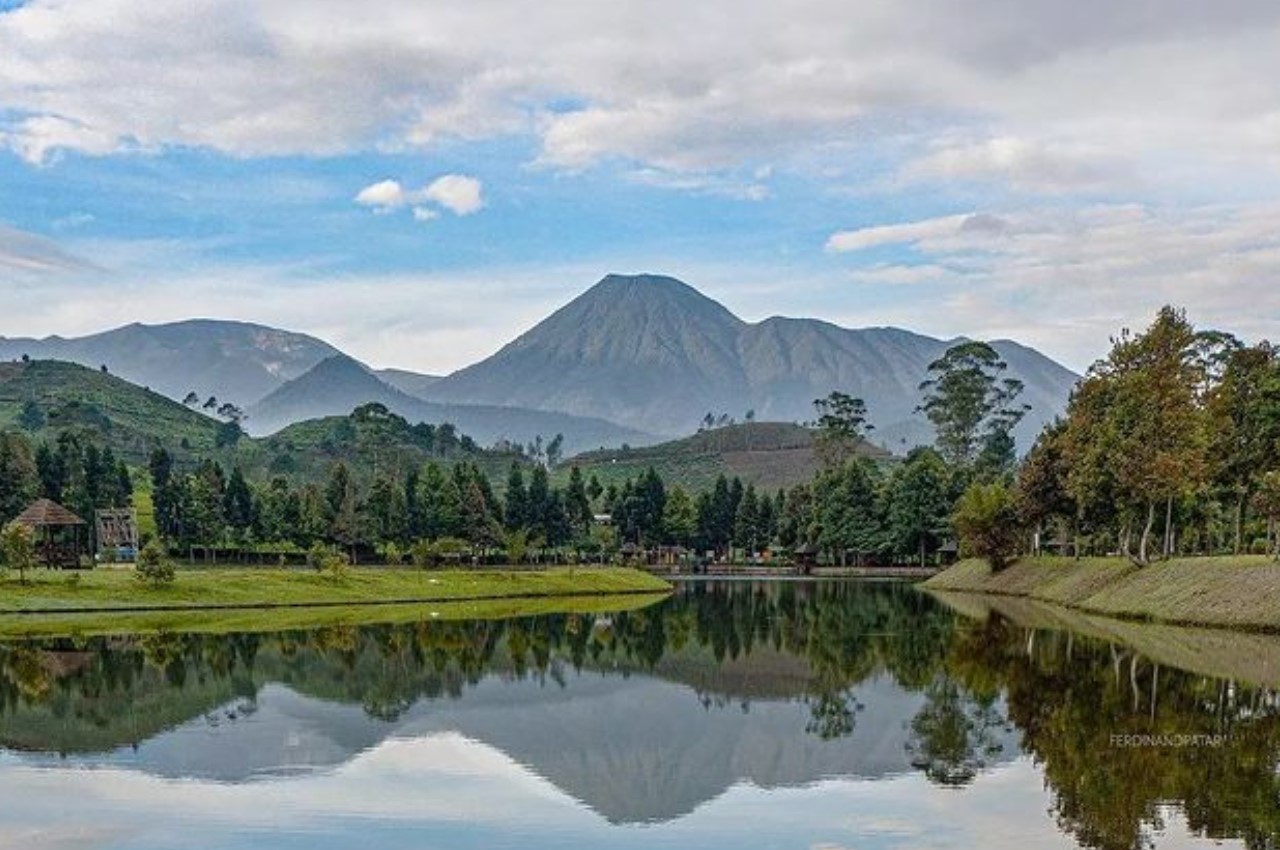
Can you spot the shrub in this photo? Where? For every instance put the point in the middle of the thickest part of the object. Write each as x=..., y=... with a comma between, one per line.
x=986, y=520
x=154, y=566
x=428, y=553
x=1259, y=546
x=326, y=559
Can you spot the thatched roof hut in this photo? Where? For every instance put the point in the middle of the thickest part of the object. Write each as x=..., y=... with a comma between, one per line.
x=57, y=532
x=45, y=513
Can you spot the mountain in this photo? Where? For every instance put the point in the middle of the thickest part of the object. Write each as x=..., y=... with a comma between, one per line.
x=235, y=361
x=339, y=384
x=413, y=383
x=769, y=455
x=655, y=353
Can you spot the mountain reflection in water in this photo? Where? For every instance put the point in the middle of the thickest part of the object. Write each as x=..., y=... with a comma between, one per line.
x=646, y=717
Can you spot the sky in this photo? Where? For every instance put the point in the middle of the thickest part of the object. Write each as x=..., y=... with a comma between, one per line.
x=418, y=182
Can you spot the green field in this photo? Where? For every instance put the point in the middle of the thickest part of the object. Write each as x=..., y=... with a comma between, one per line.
x=108, y=591
x=770, y=455
x=1234, y=592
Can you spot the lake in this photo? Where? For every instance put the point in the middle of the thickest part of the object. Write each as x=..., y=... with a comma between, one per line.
x=813, y=715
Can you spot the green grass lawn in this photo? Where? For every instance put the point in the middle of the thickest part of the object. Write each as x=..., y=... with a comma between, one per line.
x=240, y=620
x=1236, y=592
x=118, y=590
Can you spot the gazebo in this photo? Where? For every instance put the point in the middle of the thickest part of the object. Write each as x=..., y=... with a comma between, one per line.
x=57, y=532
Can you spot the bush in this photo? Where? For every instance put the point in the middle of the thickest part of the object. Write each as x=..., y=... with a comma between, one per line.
x=326, y=559
x=154, y=566
x=428, y=553
x=986, y=520
x=1259, y=546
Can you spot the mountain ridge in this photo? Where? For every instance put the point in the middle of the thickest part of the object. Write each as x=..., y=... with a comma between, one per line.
x=648, y=355
x=677, y=354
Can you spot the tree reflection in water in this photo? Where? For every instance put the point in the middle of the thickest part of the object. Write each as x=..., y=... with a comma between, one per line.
x=1065, y=697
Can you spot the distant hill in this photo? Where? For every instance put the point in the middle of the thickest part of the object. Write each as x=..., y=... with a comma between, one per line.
x=370, y=443
x=655, y=353
x=413, y=383
x=45, y=397
x=767, y=454
x=339, y=384
x=235, y=361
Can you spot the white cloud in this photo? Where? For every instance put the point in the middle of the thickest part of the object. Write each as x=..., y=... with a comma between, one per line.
x=911, y=233
x=24, y=252
x=459, y=194
x=1023, y=163
x=1066, y=280
x=383, y=195
x=1044, y=96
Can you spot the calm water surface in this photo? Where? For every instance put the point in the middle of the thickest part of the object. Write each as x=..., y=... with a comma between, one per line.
x=822, y=716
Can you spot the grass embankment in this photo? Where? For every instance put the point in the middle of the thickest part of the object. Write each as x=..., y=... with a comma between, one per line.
x=118, y=591
x=215, y=621
x=1232, y=592
x=1220, y=653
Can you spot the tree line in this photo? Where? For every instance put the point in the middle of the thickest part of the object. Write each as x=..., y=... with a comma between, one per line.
x=1170, y=445
x=855, y=510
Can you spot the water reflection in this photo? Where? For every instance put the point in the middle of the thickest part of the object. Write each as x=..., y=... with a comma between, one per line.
x=673, y=715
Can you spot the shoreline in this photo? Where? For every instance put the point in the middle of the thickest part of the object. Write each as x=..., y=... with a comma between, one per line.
x=1241, y=593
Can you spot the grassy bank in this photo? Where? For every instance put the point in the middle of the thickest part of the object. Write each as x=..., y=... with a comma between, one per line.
x=215, y=621
x=1220, y=653
x=1231, y=592
x=118, y=591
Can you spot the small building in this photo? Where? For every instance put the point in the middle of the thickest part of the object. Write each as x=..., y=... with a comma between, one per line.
x=59, y=533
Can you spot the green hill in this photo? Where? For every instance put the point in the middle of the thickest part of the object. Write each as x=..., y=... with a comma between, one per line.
x=46, y=397
x=43, y=398
x=371, y=441
x=767, y=454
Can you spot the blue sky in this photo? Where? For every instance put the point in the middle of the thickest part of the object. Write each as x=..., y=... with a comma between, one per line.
x=954, y=168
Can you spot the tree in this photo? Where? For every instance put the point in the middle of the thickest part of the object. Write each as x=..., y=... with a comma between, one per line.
x=555, y=451
x=1267, y=500
x=987, y=522
x=340, y=507
x=679, y=518
x=1136, y=423
x=191, y=399
x=1244, y=412
x=577, y=504
x=842, y=426
x=1042, y=493
x=18, y=549
x=154, y=566
x=19, y=479
x=919, y=505
x=31, y=418
x=969, y=403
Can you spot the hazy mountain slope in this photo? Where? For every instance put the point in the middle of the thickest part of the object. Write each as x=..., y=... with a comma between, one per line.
x=649, y=351
x=339, y=384
x=654, y=353
x=413, y=383
x=235, y=361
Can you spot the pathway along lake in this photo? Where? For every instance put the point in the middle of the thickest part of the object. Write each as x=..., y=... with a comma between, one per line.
x=739, y=715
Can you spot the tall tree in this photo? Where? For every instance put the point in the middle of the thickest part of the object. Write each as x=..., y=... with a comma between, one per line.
x=970, y=404
x=842, y=426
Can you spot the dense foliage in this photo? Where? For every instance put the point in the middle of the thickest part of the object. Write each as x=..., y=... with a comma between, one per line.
x=1170, y=445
